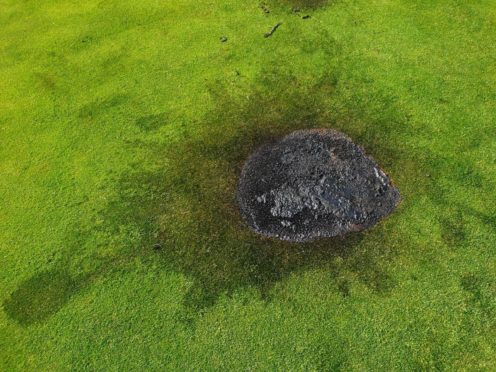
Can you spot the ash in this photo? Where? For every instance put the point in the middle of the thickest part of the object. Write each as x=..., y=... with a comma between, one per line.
x=312, y=184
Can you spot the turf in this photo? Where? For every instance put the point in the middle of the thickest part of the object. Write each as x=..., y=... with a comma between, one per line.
x=123, y=128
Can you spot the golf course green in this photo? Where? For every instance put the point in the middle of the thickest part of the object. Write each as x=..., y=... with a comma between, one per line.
x=124, y=126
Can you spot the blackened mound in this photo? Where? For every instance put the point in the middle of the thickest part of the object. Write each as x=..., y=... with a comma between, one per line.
x=311, y=184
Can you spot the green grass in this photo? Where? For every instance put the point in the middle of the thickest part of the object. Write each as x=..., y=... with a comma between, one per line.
x=125, y=124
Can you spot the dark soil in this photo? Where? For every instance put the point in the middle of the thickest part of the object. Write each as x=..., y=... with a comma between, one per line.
x=311, y=184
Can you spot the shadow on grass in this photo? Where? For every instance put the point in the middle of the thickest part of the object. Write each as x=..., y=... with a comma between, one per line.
x=41, y=296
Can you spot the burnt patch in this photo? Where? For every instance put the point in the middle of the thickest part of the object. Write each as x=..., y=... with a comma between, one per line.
x=181, y=194
x=186, y=199
x=313, y=184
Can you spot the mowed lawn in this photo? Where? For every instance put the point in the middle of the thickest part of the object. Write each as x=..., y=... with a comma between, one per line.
x=123, y=129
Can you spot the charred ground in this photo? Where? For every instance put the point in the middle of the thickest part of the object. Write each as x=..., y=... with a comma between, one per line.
x=313, y=184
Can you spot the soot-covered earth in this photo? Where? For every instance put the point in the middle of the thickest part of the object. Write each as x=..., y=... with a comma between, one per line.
x=312, y=184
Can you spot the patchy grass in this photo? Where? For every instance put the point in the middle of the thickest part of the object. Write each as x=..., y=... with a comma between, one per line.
x=123, y=129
